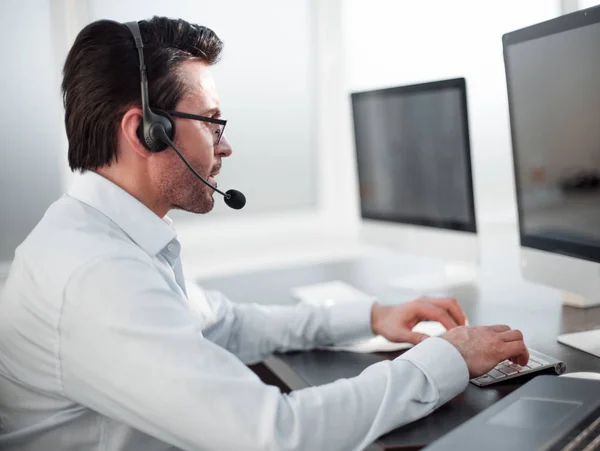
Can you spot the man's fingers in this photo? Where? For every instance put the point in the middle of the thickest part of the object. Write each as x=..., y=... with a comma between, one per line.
x=432, y=312
x=511, y=335
x=414, y=338
x=452, y=307
x=499, y=328
x=517, y=352
x=516, y=347
x=520, y=359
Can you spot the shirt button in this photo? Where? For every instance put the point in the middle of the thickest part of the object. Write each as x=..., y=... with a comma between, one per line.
x=171, y=247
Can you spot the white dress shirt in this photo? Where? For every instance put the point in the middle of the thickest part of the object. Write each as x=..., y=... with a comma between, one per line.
x=104, y=346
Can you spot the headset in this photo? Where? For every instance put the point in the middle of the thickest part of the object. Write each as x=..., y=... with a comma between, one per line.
x=157, y=128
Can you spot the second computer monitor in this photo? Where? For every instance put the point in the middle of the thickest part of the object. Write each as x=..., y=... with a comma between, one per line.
x=553, y=80
x=414, y=169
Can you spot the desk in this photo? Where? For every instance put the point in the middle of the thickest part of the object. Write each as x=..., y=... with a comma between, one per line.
x=499, y=296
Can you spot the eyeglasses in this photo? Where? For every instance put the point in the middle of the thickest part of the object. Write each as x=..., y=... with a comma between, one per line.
x=218, y=125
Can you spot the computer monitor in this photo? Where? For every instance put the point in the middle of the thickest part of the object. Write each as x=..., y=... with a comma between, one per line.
x=414, y=171
x=553, y=80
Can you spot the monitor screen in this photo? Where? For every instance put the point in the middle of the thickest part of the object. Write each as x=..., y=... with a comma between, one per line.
x=553, y=78
x=413, y=155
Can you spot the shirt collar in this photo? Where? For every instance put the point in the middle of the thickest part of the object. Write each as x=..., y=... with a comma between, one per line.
x=143, y=226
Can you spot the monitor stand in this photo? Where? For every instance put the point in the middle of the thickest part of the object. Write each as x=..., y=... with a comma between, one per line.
x=575, y=300
x=452, y=276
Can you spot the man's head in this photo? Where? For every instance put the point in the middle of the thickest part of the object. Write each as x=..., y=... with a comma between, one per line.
x=101, y=91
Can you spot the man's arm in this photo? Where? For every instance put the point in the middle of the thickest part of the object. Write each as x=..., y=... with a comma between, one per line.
x=252, y=331
x=131, y=350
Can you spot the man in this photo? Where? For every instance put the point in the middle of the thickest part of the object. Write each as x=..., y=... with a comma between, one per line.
x=104, y=345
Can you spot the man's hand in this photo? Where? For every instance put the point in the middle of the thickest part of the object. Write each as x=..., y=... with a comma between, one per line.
x=484, y=347
x=395, y=322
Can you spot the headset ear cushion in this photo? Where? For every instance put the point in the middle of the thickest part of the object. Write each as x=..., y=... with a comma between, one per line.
x=153, y=143
x=167, y=120
x=161, y=121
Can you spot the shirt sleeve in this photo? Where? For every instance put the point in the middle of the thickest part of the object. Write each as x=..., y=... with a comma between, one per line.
x=252, y=331
x=130, y=349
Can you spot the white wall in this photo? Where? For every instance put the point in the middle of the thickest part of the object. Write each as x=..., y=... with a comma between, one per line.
x=389, y=43
x=30, y=121
x=582, y=4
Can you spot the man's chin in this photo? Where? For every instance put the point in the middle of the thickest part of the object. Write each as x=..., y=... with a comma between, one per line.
x=201, y=207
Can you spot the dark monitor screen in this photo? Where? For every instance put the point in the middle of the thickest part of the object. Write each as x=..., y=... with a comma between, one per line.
x=553, y=79
x=413, y=155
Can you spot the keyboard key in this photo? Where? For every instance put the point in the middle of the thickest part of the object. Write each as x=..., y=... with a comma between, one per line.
x=538, y=360
x=507, y=370
x=485, y=378
x=496, y=374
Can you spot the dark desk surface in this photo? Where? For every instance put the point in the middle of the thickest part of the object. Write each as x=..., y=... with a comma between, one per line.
x=499, y=297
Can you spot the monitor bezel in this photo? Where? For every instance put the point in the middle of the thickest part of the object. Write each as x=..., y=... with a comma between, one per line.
x=550, y=27
x=439, y=85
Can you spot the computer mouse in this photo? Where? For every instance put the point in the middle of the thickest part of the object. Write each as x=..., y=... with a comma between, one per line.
x=583, y=375
x=431, y=328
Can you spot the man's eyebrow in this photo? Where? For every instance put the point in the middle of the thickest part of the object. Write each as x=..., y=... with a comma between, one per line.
x=214, y=112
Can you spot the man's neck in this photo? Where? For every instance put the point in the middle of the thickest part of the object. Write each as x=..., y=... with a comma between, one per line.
x=136, y=188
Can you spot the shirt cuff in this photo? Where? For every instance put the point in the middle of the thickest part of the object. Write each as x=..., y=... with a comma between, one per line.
x=440, y=361
x=349, y=321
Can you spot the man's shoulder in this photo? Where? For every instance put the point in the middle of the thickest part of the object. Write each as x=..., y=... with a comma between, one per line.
x=71, y=235
x=69, y=240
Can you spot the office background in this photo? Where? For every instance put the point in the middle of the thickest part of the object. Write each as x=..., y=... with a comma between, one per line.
x=285, y=79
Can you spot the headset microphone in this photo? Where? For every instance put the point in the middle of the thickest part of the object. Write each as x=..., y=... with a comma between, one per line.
x=157, y=128
x=235, y=199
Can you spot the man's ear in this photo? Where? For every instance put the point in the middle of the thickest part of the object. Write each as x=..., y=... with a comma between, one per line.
x=129, y=126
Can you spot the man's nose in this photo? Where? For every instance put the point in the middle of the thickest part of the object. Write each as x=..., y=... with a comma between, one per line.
x=224, y=149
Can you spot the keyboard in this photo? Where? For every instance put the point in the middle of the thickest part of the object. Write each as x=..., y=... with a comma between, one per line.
x=507, y=370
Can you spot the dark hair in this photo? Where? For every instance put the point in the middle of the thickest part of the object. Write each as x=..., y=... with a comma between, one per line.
x=101, y=79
